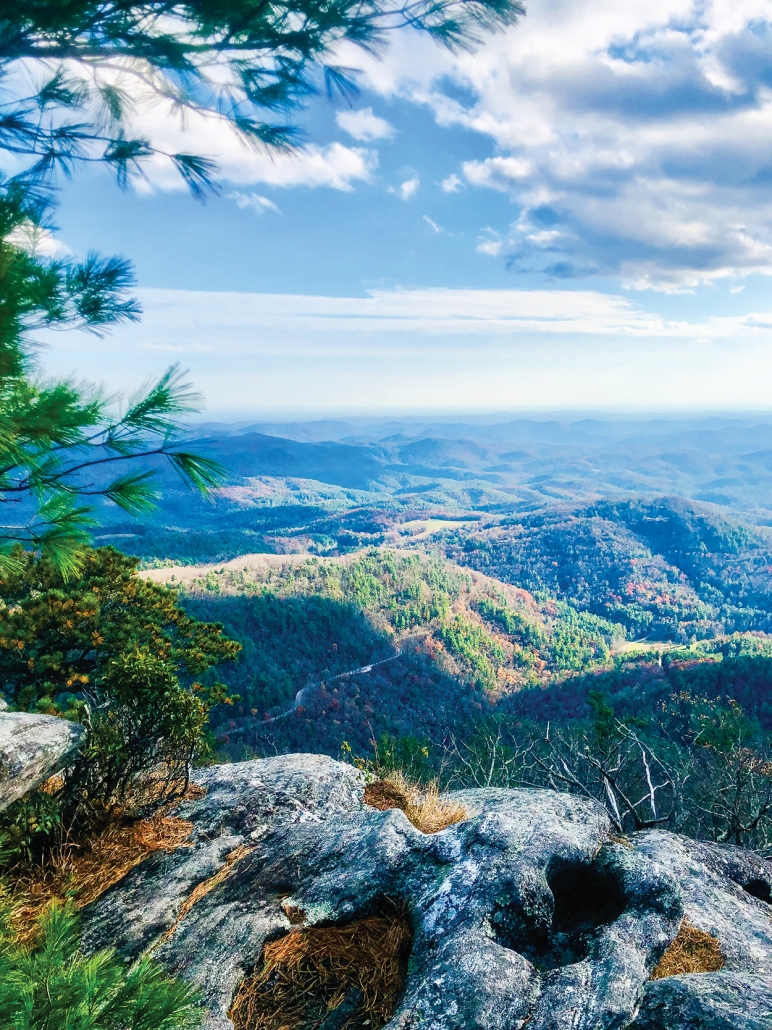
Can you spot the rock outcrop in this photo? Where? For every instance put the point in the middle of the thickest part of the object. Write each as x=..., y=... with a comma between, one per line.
x=529, y=912
x=32, y=748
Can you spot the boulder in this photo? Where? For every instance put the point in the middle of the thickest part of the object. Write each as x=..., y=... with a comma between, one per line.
x=726, y=892
x=529, y=911
x=707, y=1001
x=32, y=748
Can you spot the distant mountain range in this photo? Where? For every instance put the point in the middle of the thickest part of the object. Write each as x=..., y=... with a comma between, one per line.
x=538, y=492
x=517, y=465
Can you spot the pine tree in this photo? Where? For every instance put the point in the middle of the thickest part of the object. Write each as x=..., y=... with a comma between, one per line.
x=60, y=441
x=237, y=60
x=241, y=60
x=53, y=985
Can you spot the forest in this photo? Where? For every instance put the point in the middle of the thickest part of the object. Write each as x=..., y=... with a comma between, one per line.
x=669, y=569
x=466, y=641
x=486, y=683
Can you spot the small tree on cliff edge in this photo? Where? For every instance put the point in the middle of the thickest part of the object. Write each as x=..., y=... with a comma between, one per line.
x=118, y=653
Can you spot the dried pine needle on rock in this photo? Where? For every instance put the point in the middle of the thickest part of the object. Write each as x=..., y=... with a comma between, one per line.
x=426, y=809
x=86, y=872
x=692, y=951
x=354, y=971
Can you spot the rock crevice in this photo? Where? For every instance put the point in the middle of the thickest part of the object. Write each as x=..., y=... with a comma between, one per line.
x=526, y=913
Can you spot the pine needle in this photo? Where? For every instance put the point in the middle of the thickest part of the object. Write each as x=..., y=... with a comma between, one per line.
x=692, y=951
x=310, y=972
x=85, y=872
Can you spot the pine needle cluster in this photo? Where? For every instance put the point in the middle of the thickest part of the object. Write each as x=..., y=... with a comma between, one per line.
x=52, y=985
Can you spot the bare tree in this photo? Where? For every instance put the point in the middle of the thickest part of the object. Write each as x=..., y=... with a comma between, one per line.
x=617, y=768
x=491, y=758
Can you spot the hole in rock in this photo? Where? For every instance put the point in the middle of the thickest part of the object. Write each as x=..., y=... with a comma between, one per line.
x=759, y=889
x=586, y=898
x=345, y=977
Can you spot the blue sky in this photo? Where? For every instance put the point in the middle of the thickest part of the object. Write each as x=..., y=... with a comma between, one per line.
x=577, y=215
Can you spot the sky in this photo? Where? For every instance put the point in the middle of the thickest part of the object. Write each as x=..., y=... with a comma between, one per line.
x=577, y=215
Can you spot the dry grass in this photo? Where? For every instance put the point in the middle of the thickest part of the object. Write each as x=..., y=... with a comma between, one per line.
x=203, y=888
x=310, y=972
x=84, y=872
x=692, y=951
x=424, y=807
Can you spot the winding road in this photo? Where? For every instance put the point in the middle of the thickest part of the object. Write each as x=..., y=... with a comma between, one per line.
x=301, y=694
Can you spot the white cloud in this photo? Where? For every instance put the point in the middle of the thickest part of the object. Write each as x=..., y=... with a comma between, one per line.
x=642, y=132
x=433, y=225
x=435, y=311
x=37, y=241
x=434, y=348
x=407, y=189
x=253, y=202
x=490, y=242
x=364, y=125
x=333, y=165
x=498, y=172
x=490, y=247
x=452, y=184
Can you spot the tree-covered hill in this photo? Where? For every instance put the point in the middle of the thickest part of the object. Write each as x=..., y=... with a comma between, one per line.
x=643, y=685
x=667, y=569
x=466, y=641
x=398, y=468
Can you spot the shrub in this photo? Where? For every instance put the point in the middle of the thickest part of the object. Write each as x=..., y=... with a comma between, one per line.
x=118, y=654
x=52, y=985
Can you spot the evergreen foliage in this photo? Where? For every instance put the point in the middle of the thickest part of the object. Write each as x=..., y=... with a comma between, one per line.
x=117, y=653
x=234, y=60
x=53, y=985
x=59, y=440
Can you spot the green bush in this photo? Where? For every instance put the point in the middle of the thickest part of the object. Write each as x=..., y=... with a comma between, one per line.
x=52, y=985
x=118, y=654
x=27, y=827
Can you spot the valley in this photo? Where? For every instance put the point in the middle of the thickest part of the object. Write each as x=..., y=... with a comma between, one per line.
x=490, y=604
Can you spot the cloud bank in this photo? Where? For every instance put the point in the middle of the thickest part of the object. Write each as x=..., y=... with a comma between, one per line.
x=433, y=349
x=635, y=138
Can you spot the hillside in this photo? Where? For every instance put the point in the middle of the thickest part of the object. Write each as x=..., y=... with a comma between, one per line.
x=308, y=489
x=466, y=641
x=667, y=570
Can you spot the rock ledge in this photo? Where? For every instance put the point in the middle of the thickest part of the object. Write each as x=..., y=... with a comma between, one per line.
x=528, y=913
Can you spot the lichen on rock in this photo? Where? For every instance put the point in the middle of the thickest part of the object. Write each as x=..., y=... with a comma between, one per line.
x=32, y=748
x=528, y=912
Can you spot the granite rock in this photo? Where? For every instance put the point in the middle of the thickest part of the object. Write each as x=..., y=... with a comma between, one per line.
x=32, y=748
x=529, y=912
x=707, y=1001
